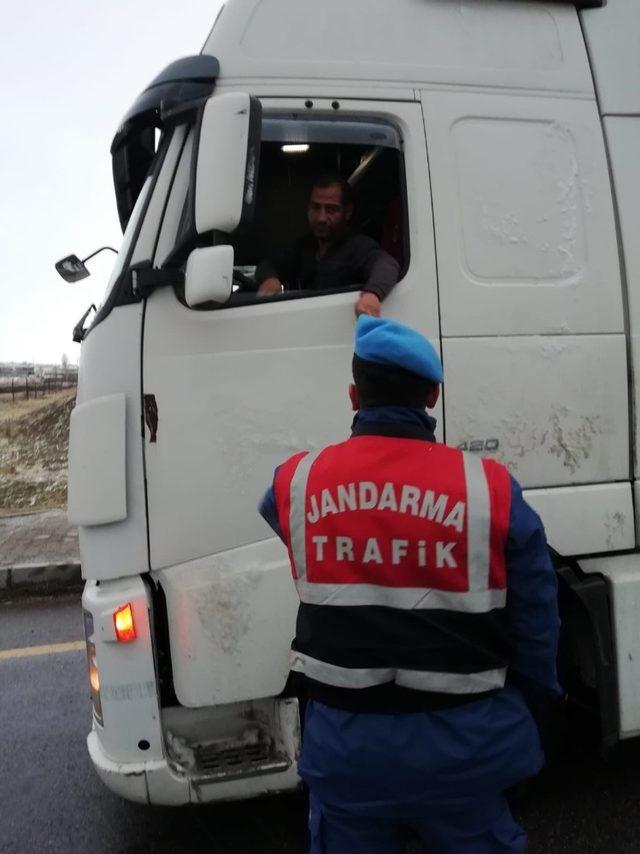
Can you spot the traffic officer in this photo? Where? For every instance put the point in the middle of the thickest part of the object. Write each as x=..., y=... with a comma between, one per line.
x=428, y=622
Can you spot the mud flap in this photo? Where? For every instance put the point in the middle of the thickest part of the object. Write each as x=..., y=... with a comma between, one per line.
x=587, y=646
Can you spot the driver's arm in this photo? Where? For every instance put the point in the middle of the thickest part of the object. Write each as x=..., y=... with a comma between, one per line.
x=272, y=273
x=270, y=286
x=377, y=270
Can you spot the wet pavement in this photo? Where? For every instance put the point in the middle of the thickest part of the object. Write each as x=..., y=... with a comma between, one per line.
x=51, y=799
x=38, y=538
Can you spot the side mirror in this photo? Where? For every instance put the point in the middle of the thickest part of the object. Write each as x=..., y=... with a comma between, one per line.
x=227, y=161
x=72, y=269
x=209, y=275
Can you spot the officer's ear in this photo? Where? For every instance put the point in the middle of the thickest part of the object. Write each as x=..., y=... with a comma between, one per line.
x=433, y=396
x=354, y=397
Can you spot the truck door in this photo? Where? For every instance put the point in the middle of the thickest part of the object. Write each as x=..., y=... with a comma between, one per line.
x=532, y=318
x=233, y=391
x=239, y=389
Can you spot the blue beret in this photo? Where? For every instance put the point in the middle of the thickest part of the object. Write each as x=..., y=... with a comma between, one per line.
x=388, y=342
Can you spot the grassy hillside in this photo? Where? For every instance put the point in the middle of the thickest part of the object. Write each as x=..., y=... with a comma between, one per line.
x=33, y=452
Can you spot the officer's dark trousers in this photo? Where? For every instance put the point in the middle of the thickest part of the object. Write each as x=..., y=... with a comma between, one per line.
x=487, y=827
x=374, y=779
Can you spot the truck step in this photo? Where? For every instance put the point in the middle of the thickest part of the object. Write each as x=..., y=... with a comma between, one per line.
x=245, y=760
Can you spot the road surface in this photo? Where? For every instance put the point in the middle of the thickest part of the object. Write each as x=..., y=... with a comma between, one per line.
x=52, y=801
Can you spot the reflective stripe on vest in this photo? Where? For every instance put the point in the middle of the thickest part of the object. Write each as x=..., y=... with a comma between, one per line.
x=418, y=680
x=297, y=523
x=479, y=598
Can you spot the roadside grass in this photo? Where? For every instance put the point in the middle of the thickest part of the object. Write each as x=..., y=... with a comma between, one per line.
x=33, y=452
x=14, y=410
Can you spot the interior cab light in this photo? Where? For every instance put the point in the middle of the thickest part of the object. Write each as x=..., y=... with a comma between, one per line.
x=295, y=149
x=123, y=620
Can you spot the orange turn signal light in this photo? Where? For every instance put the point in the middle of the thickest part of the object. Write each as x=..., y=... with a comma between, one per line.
x=123, y=621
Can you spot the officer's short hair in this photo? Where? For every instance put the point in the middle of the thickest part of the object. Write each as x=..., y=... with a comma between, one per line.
x=388, y=385
x=330, y=179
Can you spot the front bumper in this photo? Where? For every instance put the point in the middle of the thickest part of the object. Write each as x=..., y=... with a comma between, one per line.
x=156, y=782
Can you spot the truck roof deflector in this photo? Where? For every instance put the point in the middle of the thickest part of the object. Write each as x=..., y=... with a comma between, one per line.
x=189, y=79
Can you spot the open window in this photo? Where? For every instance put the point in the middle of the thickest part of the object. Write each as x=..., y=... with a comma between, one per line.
x=294, y=151
x=297, y=150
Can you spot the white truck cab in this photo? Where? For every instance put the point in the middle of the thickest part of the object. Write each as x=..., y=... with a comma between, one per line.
x=492, y=150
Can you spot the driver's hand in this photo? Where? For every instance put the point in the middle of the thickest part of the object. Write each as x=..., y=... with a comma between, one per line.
x=270, y=286
x=368, y=303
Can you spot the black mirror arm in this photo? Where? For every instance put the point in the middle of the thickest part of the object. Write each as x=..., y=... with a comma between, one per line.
x=79, y=331
x=102, y=248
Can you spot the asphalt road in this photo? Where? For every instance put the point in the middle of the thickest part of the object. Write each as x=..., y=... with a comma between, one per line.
x=52, y=801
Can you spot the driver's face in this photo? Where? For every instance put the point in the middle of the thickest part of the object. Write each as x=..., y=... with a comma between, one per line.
x=326, y=213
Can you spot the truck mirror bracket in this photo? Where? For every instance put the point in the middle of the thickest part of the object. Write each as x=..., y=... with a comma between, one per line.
x=145, y=279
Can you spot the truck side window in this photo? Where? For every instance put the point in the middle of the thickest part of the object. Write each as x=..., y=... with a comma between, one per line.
x=299, y=236
x=297, y=153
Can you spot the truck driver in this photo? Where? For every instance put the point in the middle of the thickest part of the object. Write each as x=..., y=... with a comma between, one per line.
x=331, y=256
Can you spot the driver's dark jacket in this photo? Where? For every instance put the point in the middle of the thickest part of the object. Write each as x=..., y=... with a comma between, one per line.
x=354, y=259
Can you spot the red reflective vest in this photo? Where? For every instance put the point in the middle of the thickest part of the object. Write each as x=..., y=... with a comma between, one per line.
x=397, y=551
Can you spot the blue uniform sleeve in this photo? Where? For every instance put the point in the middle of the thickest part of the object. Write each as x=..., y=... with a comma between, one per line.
x=532, y=604
x=268, y=510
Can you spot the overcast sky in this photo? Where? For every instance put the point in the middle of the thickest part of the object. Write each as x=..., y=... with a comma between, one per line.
x=69, y=71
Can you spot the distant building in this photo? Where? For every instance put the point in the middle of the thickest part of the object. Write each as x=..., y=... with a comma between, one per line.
x=20, y=370
x=17, y=369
